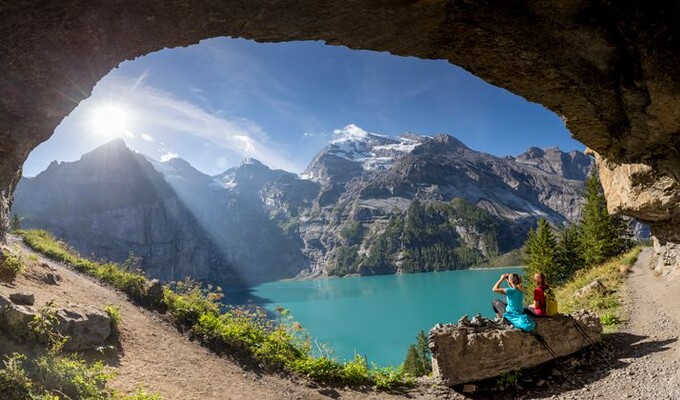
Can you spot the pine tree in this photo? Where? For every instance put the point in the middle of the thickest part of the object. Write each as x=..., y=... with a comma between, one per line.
x=417, y=362
x=602, y=235
x=569, y=257
x=423, y=348
x=541, y=251
x=412, y=365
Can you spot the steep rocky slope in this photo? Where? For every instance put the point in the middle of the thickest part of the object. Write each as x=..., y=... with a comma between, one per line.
x=354, y=210
x=113, y=201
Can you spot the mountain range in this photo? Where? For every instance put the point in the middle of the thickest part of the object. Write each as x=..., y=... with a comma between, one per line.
x=366, y=204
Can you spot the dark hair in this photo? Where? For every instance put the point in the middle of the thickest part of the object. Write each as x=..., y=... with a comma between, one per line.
x=515, y=279
x=542, y=281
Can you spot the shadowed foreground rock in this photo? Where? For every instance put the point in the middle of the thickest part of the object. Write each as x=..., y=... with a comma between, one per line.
x=86, y=326
x=480, y=349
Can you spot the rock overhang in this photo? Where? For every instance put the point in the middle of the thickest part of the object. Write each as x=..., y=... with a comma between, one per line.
x=608, y=69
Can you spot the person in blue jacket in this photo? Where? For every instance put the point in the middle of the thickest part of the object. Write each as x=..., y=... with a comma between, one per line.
x=513, y=308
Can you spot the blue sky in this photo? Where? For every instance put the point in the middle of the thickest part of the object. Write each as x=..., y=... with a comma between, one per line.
x=222, y=100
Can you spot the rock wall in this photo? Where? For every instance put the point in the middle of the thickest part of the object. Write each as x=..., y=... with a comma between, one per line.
x=650, y=195
x=608, y=68
x=480, y=349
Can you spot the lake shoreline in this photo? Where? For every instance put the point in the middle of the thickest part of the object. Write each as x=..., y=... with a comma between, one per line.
x=321, y=275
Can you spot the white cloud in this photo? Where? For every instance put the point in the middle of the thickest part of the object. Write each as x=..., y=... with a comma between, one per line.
x=168, y=156
x=160, y=112
x=221, y=162
x=147, y=137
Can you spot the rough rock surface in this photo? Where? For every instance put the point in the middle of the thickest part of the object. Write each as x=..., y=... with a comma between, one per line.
x=480, y=349
x=87, y=327
x=26, y=299
x=610, y=69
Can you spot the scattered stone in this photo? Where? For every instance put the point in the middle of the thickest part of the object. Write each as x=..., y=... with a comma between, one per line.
x=469, y=388
x=540, y=383
x=51, y=279
x=477, y=320
x=594, y=286
x=24, y=299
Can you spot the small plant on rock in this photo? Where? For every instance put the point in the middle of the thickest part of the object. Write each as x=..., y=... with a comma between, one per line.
x=45, y=325
x=11, y=265
x=509, y=380
x=114, y=313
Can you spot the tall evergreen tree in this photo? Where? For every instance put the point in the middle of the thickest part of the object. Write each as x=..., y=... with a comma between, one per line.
x=541, y=251
x=602, y=235
x=569, y=257
x=417, y=362
x=423, y=348
x=412, y=365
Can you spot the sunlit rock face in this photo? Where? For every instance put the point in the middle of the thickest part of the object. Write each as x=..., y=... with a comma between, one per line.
x=649, y=195
x=610, y=69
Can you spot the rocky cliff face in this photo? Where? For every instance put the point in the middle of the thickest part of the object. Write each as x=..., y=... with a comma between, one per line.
x=113, y=201
x=367, y=183
x=367, y=204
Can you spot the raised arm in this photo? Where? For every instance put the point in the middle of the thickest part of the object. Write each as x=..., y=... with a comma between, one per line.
x=497, y=287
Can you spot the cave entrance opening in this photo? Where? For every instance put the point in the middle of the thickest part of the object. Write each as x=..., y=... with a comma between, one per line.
x=200, y=116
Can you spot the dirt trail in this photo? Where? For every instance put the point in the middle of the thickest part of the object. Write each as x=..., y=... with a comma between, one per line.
x=641, y=363
x=155, y=356
x=645, y=355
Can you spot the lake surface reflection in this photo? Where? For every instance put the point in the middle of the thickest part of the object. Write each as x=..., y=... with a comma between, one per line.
x=378, y=316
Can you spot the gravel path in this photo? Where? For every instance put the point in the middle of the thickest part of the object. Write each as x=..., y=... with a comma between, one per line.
x=639, y=362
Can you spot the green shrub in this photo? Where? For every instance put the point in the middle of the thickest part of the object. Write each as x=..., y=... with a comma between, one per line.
x=609, y=319
x=45, y=327
x=14, y=381
x=11, y=265
x=114, y=313
x=72, y=376
x=509, y=380
x=246, y=332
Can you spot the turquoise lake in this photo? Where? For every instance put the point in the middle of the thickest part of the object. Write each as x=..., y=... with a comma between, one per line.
x=378, y=316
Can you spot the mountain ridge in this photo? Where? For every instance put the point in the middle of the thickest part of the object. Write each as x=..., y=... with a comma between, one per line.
x=269, y=224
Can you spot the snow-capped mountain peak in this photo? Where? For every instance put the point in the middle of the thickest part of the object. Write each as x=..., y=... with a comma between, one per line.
x=372, y=150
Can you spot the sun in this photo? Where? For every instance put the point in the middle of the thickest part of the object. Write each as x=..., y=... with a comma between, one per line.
x=110, y=120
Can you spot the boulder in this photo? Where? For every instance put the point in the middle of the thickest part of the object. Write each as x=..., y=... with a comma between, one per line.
x=4, y=301
x=14, y=321
x=86, y=327
x=51, y=279
x=25, y=299
x=466, y=353
x=587, y=290
x=154, y=292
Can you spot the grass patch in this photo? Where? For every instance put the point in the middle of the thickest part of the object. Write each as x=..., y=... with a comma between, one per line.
x=606, y=304
x=280, y=345
x=53, y=374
